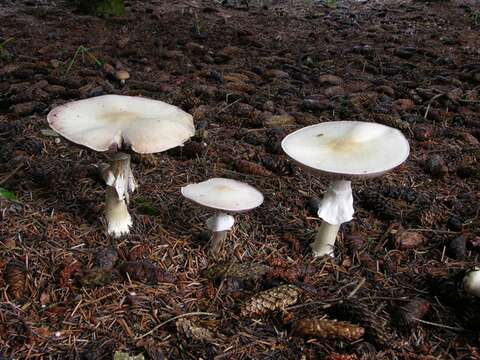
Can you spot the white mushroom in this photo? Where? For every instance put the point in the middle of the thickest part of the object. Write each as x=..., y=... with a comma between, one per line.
x=342, y=151
x=471, y=282
x=122, y=76
x=114, y=122
x=223, y=196
x=116, y=212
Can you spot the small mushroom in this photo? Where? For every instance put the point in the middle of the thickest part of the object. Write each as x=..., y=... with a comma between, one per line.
x=471, y=282
x=114, y=122
x=342, y=151
x=223, y=196
x=122, y=76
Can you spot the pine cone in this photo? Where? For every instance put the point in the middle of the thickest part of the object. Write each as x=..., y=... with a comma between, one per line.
x=270, y=300
x=15, y=276
x=248, y=167
x=427, y=218
x=190, y=330
x=329, y=329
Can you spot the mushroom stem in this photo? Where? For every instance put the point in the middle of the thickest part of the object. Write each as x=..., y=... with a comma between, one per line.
x=120, y=182
x=325, y=240
x=118, y=218
x=216, y=241
x=219, y=224
x=119, y=175
x=335, y=208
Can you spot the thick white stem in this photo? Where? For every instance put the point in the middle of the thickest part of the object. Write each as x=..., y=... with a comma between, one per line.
x=119, y=175
x=216, y=242
x=335, y=208
x=219, y=224
x=324, y=243
x=118, y=218
x=120, y=182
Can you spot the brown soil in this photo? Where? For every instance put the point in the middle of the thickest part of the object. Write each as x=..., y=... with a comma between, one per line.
x=413, y=65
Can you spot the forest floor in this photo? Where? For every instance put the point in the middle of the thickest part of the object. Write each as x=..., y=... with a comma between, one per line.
x=248, y=76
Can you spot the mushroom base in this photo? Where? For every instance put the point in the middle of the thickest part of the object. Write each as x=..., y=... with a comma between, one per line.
x=116, y=213
x=219, y=224
x=216, y=242
x=120, y=182
x=325, y=240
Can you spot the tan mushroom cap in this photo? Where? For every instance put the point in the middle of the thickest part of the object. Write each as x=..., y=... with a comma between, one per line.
x=113, y=121
x=347, y=149
x=223, y=194
x=122, y=75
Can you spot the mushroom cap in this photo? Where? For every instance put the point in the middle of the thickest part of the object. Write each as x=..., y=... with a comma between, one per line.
x=347, y=149
x=223, y=194
x=111, y=121
x=122, y=75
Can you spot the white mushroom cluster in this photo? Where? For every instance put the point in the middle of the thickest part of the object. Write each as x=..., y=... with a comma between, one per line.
x=340, y=151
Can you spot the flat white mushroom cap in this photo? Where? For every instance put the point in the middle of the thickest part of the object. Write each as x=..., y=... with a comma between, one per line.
x=113, y=121
x=347, y=148
x=223, y=194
